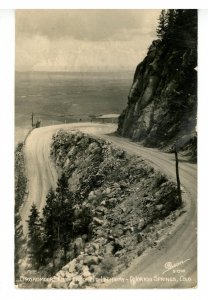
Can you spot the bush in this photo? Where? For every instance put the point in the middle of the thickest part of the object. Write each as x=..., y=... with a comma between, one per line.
x=160, y=179
x=106, y=267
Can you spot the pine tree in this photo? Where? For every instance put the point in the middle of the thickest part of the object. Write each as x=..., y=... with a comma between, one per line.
x=170, y=29
x=50, y=226
x=35, y=241
x=178, y=28
x=65, y=214
x=161, y=29
x=82, y=222
x=19, y=242
x=186, y=27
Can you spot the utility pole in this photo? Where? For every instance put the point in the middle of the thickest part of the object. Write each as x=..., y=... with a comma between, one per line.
x=32, y=118
x=177, y=176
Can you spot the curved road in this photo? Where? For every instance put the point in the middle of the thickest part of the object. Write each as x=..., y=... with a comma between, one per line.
x=40, y=169
x=148, y=270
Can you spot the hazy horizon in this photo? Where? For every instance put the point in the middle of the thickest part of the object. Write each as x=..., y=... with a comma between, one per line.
x=56, y=97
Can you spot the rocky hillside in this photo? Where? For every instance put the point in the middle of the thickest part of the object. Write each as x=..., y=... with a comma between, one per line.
x=162, y=102
x=131, y=207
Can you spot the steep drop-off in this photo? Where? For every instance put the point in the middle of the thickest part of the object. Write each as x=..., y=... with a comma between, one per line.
x=131, y=205
x=162, y=102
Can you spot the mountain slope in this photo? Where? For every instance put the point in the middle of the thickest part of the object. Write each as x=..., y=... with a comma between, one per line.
x=162, y=102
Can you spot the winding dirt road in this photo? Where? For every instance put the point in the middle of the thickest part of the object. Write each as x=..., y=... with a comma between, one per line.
x=148, y=270
x=40, y=169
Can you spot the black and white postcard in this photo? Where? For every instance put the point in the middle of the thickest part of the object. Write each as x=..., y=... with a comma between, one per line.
x=106, y=148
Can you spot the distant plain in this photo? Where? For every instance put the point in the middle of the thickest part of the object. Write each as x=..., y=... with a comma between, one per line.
x=58, y=97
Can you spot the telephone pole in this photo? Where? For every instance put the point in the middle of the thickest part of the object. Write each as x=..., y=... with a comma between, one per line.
x=32, y=118
x=177, y=176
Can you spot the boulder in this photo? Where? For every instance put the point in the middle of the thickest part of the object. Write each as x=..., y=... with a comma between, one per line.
x=159, y=207
x=72, y=265
x=80, y=257
x=55, y=285
x=85, y=272
x=118, y=232
x=108, y=191
x=65, y=268
x=90, y=279
x=91, y=195
x=123, y=184
x=95, y=246
x=141, y=224
x=70, y=276
x=79, y=267
x=101, y=209
x=59, y=285
x=99, y=232
x=89, y=250
x=63, y=285
x=95, y=269
x=103, y=202
x=116, y=185
x=111, y=202
x=119, y=244
x=67, y=161
x=119, y=153
x=78, y=280
x=120, y=253
x=73, y=285
x=109, y=248
x=91, y=260
x=98, y=221
x=61, y=273
x=139, y=237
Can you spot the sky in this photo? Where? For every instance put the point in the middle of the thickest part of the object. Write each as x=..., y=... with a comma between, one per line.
x=83, y=40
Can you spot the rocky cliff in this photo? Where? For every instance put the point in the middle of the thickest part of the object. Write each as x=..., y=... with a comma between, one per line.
x=162, y=102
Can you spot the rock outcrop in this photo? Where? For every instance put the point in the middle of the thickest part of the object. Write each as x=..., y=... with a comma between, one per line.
x=162, y=102
x=130, y=204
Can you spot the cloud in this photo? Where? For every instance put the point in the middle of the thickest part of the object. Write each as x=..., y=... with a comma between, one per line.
x=41, y=53
x=82, y=24
x=83, y=40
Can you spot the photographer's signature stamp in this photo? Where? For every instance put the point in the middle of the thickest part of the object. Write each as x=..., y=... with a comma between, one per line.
x=174, y=266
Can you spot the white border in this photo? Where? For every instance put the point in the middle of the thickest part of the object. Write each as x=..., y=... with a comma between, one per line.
x=6, y=164
x=7, y=146
x=53, y=4
x=202, y=151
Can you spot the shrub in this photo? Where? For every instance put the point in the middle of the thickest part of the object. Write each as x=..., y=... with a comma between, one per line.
x=106, y=267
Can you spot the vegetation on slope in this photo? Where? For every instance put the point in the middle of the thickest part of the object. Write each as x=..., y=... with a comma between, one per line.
x=108, y=208
x=20, y=190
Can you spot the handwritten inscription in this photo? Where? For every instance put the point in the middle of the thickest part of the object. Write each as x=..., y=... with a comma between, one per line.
x=172, y=266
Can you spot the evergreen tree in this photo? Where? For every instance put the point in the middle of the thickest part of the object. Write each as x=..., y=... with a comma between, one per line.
x=35, y=241
x=170, y=29
x=178, y=27
x=19, y=242
x=65, y=214
x=161, y=29
x=186, y=27
x=82, y=222
x=50, y=226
